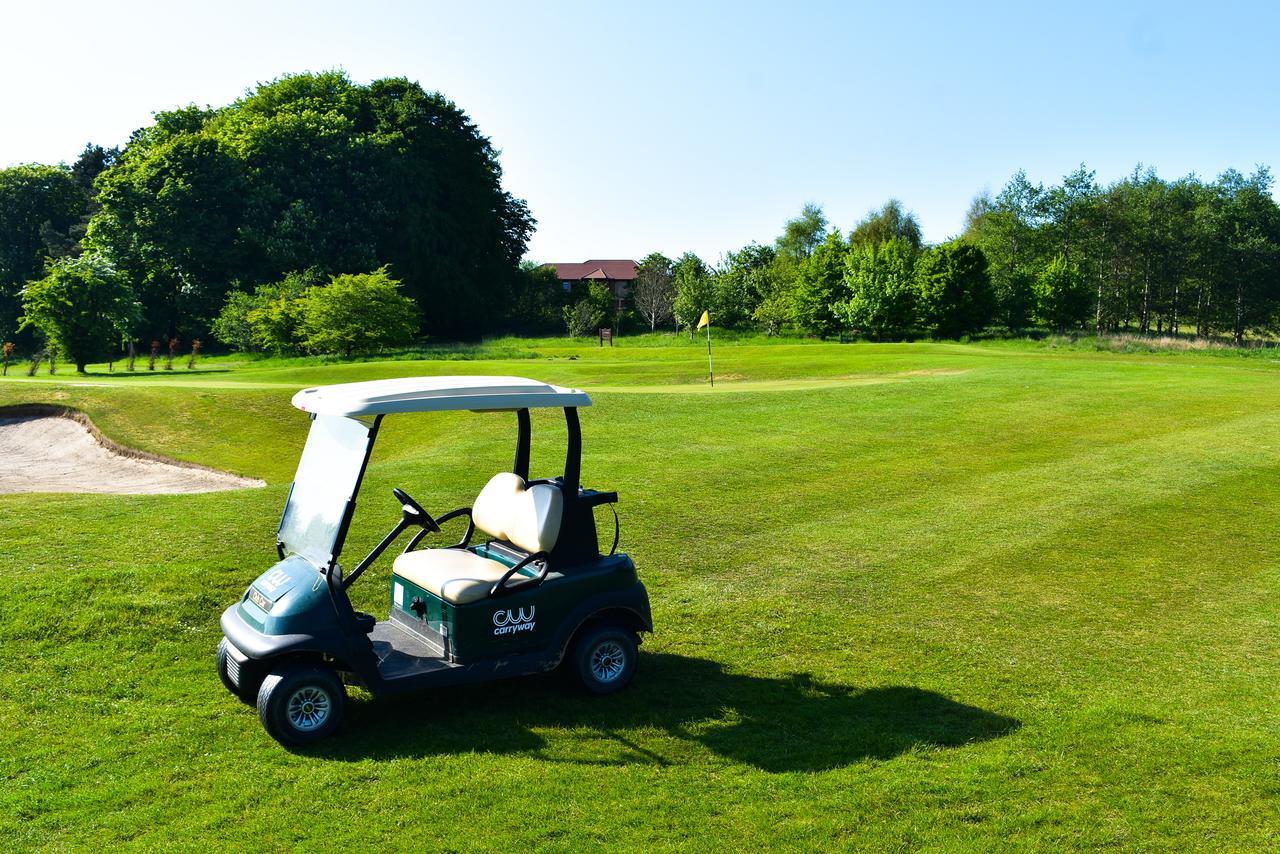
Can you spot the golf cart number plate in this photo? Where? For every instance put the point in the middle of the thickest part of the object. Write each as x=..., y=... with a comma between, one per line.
x=258, y=599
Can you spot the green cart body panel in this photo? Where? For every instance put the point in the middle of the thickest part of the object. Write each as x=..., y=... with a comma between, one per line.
x=507, y=625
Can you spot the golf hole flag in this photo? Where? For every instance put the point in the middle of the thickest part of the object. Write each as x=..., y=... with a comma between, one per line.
x=705, y=320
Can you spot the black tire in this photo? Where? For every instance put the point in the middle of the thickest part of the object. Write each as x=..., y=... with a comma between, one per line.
x=603, y=658
x=301, y=705
x=247, y=694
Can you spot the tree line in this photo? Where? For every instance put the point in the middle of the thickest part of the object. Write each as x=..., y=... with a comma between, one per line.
x=1143, y=255
x=318, y=215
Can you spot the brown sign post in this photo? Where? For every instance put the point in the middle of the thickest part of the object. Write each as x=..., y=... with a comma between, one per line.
x=606, y=335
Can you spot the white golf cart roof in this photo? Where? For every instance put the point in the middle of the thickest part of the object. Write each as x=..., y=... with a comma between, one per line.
x=435, y=394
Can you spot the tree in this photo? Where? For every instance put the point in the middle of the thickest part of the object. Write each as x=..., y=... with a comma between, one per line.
x=654, y=292
x=820, y=285
x=269, y=318
x=313, y=170
x=590, y=307
x=1062, y=298
x=82, y=307
x=953, y=290
x=891, y=222
x=538, y=299
x=1006, y=230
x=1245, y=223
x=746, y=278
x=802, y=235
x=695, y=289
x=879, y=280
x=35, y=202
x=357, y=313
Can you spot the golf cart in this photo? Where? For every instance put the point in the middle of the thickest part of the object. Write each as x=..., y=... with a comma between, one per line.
x=525, y=590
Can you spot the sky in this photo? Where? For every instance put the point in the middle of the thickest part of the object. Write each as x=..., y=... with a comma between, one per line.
x=638, y=127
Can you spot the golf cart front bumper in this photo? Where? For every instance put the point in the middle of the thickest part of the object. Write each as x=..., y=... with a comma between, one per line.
x=259, y=645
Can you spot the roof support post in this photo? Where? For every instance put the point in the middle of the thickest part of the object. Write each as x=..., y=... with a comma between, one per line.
x=573, y=454
x=521, y=464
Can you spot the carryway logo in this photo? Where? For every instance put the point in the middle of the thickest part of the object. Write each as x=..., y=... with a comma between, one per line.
x=510, y=621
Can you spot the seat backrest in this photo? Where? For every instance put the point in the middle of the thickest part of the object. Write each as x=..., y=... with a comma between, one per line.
x=528, y=517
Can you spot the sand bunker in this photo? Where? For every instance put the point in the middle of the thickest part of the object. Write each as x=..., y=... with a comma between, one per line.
x=49, y=449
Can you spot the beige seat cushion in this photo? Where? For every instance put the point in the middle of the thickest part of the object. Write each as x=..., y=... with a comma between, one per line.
x=528, y=517
x=454, y=575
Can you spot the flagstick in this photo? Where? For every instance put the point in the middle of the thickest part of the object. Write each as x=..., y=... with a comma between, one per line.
x=710, y=367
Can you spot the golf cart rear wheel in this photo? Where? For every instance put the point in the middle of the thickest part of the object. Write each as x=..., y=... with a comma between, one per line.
x=246, y=693
x=604, y=658
x=301, y=705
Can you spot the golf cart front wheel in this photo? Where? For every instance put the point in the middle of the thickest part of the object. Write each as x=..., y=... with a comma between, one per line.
x=301, y=705
x=604, y=659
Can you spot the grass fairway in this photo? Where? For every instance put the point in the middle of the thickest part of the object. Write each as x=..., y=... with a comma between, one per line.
x=936, y=596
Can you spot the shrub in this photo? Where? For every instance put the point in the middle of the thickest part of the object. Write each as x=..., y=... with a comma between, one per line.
x=357, y=313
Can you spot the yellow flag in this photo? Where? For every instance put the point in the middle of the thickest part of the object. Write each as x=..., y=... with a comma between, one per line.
x=706, y=319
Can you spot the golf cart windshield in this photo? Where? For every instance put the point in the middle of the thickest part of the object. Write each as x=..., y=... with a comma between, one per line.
x=328, y=476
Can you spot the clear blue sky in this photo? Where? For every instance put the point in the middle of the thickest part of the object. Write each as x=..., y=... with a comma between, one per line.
x=633, y=127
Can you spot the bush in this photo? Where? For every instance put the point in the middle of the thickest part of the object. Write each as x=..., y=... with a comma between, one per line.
x=357, y=313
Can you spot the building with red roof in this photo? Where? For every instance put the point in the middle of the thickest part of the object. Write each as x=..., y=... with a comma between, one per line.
x=617, y=274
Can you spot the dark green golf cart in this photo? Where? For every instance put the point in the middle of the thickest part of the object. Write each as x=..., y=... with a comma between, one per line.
x=525, y=590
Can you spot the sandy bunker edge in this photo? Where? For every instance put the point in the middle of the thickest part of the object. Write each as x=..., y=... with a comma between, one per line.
x=202, y=478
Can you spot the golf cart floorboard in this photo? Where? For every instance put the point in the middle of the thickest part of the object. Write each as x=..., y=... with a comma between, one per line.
x=401, y=653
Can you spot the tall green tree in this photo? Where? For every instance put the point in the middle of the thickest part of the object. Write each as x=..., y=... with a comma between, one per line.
x=880, y=282
x=1006, y=229
x=820, y=285
x=82, y=306
x=953, y=290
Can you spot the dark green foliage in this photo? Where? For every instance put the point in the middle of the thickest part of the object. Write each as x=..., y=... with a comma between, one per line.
x=537, y=300
x=953, y=290
x=81, y=307
x=1156, y=256
x=312, y=170
x=36, y=203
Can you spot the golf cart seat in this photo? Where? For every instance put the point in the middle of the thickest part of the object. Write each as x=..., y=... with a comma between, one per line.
x=527, y=517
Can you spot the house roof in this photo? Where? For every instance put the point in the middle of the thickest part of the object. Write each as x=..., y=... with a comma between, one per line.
x=435, y=394
x=622, y=269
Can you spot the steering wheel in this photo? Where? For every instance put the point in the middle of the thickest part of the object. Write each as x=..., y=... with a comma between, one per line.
x=412, y=511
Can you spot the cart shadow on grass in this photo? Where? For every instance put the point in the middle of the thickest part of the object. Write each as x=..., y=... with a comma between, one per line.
x=789, y=724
